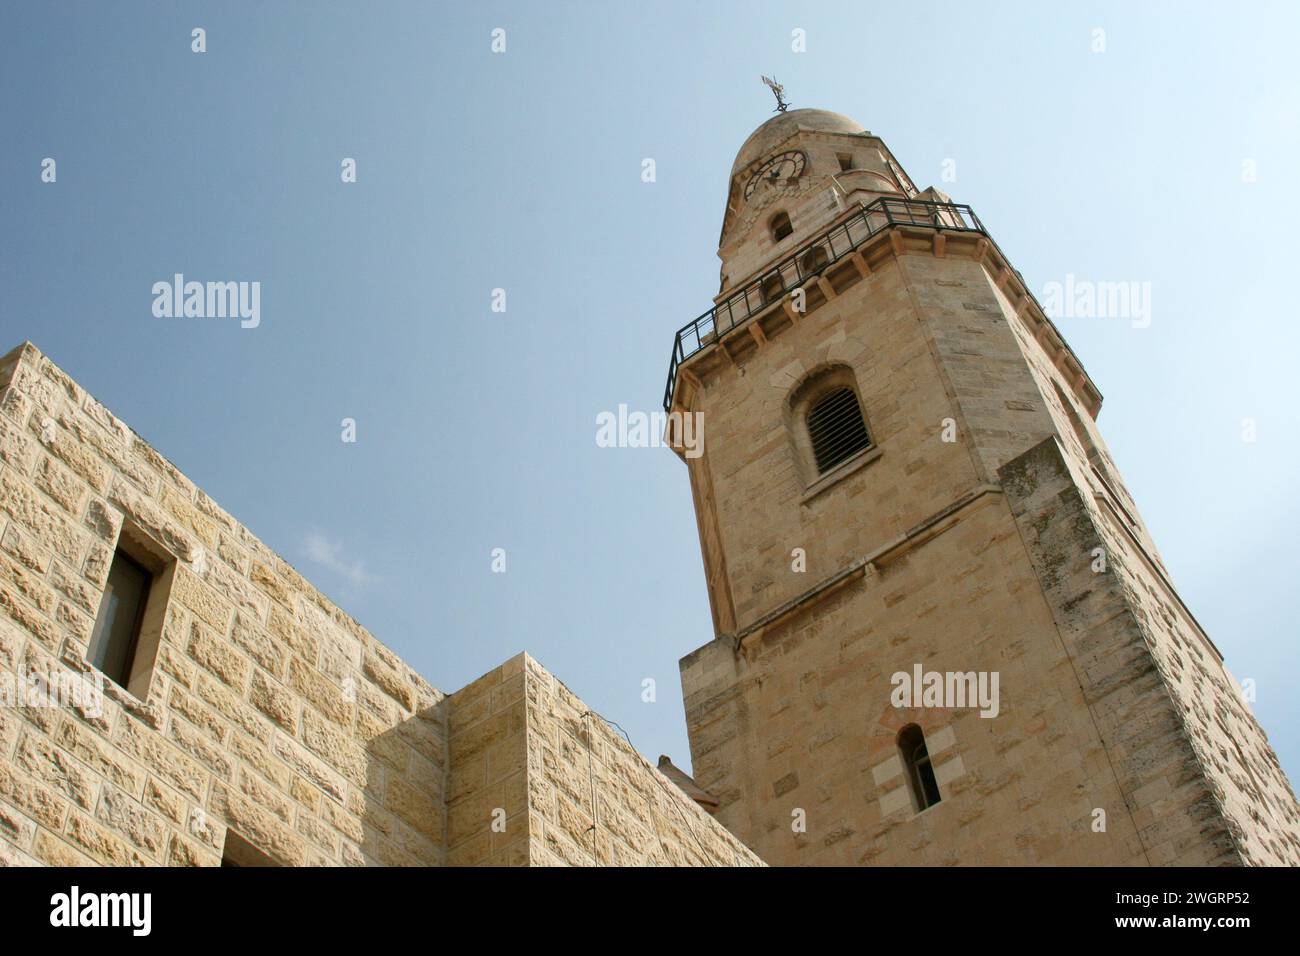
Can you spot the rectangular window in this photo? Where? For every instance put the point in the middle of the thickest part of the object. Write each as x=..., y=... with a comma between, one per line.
x=128, y=627
x=927, y=787
x=846, y=161
x=117, y=629
x=920, y=772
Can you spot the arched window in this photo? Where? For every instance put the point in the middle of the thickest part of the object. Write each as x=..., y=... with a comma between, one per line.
x=916, y=763
x=780, y=226
x=827, y=422
x=836, y=428
x=814, y=260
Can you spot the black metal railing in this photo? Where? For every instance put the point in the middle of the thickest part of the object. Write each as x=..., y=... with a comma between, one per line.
x=811, y=258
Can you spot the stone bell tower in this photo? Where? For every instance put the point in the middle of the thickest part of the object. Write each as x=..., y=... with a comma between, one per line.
x=902, y=489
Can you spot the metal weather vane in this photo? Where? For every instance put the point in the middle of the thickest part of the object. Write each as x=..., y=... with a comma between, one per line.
x=779, y=92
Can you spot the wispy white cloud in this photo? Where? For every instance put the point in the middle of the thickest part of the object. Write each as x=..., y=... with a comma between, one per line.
x=320, y=549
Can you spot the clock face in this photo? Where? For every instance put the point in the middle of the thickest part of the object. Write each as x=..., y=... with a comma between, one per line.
x=781, y=168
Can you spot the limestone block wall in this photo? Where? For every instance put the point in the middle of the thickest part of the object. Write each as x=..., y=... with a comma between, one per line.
x=265, y=711
x=1114, y=698
x=1235, y=803
x=562, y=786
x=268, y=711
x=1138, y=627
x=1007, y=392
x=801, y=720
x=487, y=789
x=750, y=468
x=1165, y=793
x=996, y=403
x=1202, y=780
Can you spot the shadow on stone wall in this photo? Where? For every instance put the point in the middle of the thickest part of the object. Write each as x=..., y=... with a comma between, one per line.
x=402, y=815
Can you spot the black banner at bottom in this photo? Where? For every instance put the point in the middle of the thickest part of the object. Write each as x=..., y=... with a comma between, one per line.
x=206, y=906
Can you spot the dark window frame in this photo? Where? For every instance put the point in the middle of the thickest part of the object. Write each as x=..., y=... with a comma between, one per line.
x=123, y=679
x=159, y=565
x=780, y=225
x=918, y=766
x=815, y=384
x=837, y=428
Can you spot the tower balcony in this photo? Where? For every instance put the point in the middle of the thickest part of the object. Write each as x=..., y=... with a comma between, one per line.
x=768, y=293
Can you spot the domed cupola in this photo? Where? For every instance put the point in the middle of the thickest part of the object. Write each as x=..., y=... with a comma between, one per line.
x=794, y=176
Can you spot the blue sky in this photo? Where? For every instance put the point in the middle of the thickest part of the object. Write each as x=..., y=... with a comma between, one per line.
x=475, y=429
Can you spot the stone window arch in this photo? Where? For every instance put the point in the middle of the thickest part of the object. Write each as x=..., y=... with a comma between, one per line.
x=827, y=423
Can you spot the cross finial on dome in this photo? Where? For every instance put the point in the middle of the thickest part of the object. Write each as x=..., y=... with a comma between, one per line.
x=779, y=92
